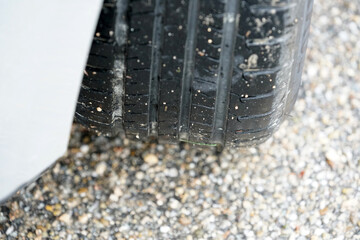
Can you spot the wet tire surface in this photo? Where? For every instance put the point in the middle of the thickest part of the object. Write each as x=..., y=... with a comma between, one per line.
x=206, y=72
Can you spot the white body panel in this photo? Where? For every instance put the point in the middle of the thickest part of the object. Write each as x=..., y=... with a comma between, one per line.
x=44, y=46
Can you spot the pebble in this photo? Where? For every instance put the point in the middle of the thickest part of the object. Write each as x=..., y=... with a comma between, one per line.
x=54, y=209
x=10, y=230
x=65, y=218
x=84, y=218
x=247, y=205
x=101, y=168
x=184, y=220
x=332, y=155
x=323, y=211
x=151, y=159
x=174, y=204
x=140, y=175
x=347, y=191
x=113, y=198
x=172, y=172
x=84, y=149
x=165, y=229
x=179, y=191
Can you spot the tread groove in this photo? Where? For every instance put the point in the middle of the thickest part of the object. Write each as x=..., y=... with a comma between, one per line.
x=268, y=41
x=260, y=96
x=239, y=118
x=119, y=66
x=266, y=8
x=155, y=67
x=230, y=25
x=188, y=72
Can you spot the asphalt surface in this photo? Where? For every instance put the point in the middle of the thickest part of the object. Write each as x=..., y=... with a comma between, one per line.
x=303, y=183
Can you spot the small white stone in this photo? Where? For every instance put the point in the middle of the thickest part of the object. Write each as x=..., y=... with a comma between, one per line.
x=165, y=229
x=332, y=155
x=84, y=148
x=174, y=204
x=66, y=218
x=9, y=230
x=113, y=198
x=124, y=228
x=344, y=36
x=140, y=175
x=101, y=168
x=292, y=217
x=151, y=159
x=84, y=218
x=117, y=191
x=56, y=169
x=179, y=191
x=293, y=180
x=228, y=179
x=172, y=172
x=304, y=231
x=259, y=189
x=247, y=205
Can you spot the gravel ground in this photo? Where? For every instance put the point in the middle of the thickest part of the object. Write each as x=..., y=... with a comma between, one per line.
x=301, y=184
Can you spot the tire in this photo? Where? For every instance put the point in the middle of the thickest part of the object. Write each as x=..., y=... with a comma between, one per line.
x=208, y=72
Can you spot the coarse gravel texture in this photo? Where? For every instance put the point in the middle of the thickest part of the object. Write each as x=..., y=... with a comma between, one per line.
x=303, y=183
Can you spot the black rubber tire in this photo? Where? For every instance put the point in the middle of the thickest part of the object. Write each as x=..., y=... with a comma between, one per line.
x=208, y=72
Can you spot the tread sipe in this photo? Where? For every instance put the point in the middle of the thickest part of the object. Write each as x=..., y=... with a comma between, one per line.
x=211, y=72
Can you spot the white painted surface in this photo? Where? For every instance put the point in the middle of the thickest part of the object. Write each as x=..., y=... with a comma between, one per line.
x=43, y=50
